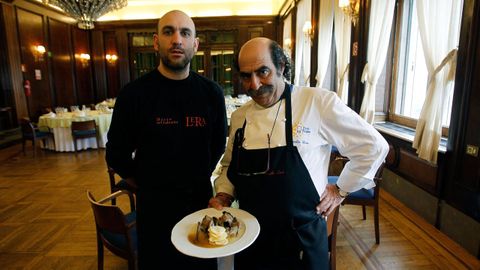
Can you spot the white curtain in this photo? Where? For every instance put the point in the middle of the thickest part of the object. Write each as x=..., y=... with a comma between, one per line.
x=380, y=25
x=287, y=34
x=439, y=26
x=343, y=28
x=302, y=44
x=325, y=27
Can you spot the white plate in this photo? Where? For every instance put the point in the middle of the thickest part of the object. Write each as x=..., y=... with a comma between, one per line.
x=188, y=225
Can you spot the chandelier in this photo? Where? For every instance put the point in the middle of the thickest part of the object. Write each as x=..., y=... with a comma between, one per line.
x=87, y=11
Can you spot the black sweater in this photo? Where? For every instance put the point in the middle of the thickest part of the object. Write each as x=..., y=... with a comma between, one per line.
x=175, y=128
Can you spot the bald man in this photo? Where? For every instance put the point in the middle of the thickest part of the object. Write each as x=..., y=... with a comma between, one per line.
x=167, y=134
x=277, y=158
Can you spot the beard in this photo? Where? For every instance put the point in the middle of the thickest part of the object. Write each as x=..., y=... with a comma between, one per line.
x=264, y=89
x=180, y=65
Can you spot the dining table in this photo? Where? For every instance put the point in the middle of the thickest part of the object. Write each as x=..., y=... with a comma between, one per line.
x=60, y=125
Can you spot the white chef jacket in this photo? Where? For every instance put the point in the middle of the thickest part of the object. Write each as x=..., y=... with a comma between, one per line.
x=319, y=120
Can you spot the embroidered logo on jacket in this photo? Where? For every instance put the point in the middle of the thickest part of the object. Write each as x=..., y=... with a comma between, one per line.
x=165, y=121
x=195, y=121
x=299, y=131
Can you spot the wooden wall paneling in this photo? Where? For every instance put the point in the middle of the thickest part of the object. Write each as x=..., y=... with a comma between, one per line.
x=14, y=62
x=255, y=31
x=246, y=26
x=423, y=173
x=31, y=33
x=112, y=69
x=462, y=186
x=62, y=64
x=99, y=65
x=243, y=35
x=403, y=161
x=393, y=156
x=83, y=69
x=123, y=58
x=5, y=80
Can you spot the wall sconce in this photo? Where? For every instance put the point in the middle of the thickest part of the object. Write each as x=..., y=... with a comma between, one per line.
x=287, y=43
x=38, y=52
x=111, y=58
x=351, y=8
x=308, y=31
x=84, y=59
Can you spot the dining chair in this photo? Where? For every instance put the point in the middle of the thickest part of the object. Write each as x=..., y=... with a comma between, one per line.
x=30, y=132
x=84, y=129
x=117, y=183
x=362, y=197
x=115, y=229
x=332, y=224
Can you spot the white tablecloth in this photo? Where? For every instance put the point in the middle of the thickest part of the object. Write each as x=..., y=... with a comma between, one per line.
x=60, y=126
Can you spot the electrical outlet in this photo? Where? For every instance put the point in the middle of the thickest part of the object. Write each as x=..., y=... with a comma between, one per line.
x=472, y=150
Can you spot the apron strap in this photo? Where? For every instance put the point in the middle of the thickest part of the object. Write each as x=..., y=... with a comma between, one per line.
x=288, y=115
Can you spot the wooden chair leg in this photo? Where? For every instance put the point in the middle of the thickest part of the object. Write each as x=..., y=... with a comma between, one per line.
x=131, y=264
x=23, y=148
x=333, y=259
x=364, y=212
x=99, y=253
x=98, y=143
x=75, y=144
x=376, y=222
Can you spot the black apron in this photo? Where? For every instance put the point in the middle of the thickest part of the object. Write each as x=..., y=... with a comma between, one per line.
x=283, y=199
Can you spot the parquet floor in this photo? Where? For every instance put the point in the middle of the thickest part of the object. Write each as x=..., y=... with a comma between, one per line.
x=46, y=221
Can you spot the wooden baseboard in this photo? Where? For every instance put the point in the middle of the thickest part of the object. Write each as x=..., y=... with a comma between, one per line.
x=457, y=251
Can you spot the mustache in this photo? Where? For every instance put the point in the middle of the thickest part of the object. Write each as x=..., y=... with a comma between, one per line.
x=264, y=89
x=176, y=48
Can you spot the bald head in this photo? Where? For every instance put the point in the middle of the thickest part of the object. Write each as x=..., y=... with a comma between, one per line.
x=259, y=44
x=262, y=47
x=176, y=16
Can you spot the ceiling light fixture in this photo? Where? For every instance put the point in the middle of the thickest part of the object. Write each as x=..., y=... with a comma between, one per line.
x=87, y=11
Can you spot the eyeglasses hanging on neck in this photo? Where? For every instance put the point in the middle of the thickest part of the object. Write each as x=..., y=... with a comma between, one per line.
x=267, y=171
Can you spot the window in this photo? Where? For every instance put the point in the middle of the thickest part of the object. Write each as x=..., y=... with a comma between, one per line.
x=410, y=74
x=142, y=54
x=221, y=64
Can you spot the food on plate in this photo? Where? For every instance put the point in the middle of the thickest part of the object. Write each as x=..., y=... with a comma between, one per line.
x=217, y=231
x=217, y=235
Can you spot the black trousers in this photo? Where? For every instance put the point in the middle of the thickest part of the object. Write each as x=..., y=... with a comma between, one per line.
x=156, y=216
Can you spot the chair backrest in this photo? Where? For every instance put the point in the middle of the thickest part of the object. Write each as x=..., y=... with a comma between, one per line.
x=117, y=183
x=108, y=217
x=336, y=165
x=83, y=125
x=115, y=230
x=28, y=130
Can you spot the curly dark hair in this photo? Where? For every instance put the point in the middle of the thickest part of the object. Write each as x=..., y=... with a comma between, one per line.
x=279, y=58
